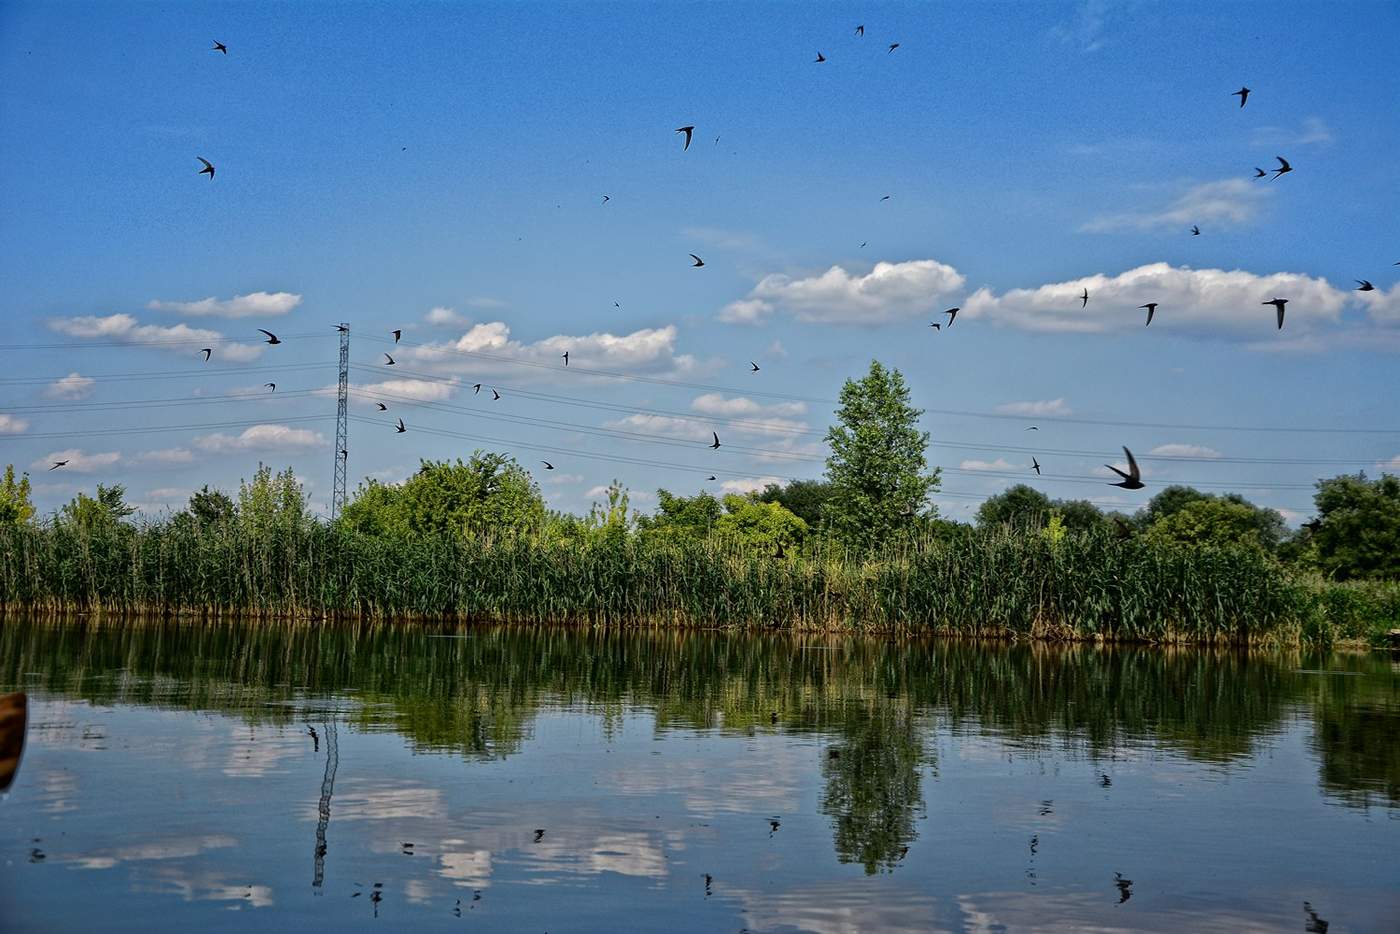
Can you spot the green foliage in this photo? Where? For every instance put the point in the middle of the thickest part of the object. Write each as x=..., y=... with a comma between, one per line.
x=680, y=519
x=1211, y=521
x=761, y=525
x=806, y=499
x=1055, y=530
x=486, y=496
x=89, y=513
x=271, y=503
x=211, y=507
x=16, y=508
x=611, y=519
x=876, y=467
x=1356, y=535
x=1265, y=527
x=1019, y=505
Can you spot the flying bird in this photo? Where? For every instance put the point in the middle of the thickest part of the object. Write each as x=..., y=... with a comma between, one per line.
x=495, y=395
x=1283, y=167
x=400, y=429
x=547, y=465
x=753, y=366
x=565, y=355
x=710, y=477
x=885, y=198
x=1125, y=887
x=606, y=199
x=935, y=325
x=219, y=47
x=271, y=386
x=863, y=243
x=397, y=334
x=58, y=464
x=1242, y=94
x=1364, y=285
x=893, y=46
x=1277, y=303
x=382, y=407
x=860, y=30
x=342, y=328
x=1151, y=310
x=952, y=314
x=389, y=359
x=820, y=58
x=698, y=261
x=208, y=352
x=1035, y=465
x=1259, y=173
x=208, y=167
x=688, y=131
x=344, y=453
x=715, y=446
x=271, y=338
x=1032, y=428
x=617, y=304
x=1132, y=480
x=476, y=389
x=1195, y=231
x=1084, y=299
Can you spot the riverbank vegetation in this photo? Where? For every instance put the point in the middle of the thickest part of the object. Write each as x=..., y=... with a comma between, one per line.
x=861, y=549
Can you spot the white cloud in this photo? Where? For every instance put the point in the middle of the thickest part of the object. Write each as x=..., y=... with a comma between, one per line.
x=252, y=305
x=262, y=438
x=390, y=391
x=166, y=457
x=668, y=425
x=713, y=403
x=776, y=349
x=1383, y=306
x=650, y=350
x=563, y=479
x=889, y=292
x=1392, y=464
x=78, y=461
x=998, y=464
x=1312, y=132
x=1229, y=202
x=444, y=317
x=597, y=491
x=1200, y=301
x=1184, y=450
x=71, y=387
x=125, y=329
x=1040, y=407
x=168, y=494
x=748, y=484
x=12, y=425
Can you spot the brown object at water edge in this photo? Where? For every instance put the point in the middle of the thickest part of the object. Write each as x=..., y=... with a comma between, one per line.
x=13, y=717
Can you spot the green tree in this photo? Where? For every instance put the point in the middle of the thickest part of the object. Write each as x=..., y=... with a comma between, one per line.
x=1356, y=534
x=1267, y=525
x=877, y=466
x=271, y=503
x=806, y=499
x=488, y=494
x=1210, y=521
x=211, y=507
x=105, y=510
x=1017, y=505
x=612, y=518
x=761, y=525
x=16, y=508
x=680, y=518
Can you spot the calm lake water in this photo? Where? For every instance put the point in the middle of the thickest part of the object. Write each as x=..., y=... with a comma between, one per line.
x=218, y=777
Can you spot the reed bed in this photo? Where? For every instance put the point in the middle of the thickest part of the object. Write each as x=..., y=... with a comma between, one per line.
x=1001, y=583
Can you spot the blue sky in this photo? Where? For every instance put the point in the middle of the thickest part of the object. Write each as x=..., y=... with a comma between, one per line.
x=378, y=162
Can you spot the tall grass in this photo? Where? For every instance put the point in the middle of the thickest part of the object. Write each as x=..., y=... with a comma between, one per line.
x=997, y=582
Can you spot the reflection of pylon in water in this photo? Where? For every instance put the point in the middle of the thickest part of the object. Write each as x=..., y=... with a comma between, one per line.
x=342, y=452
x=324, y=809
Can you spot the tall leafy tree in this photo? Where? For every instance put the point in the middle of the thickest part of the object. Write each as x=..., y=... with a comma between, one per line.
x=1357, y=530
x=806, y=499
x=16, y=508
x=877, y=469
x=488, y=494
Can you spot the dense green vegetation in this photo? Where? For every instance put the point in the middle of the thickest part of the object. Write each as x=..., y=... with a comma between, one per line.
x=861, y=549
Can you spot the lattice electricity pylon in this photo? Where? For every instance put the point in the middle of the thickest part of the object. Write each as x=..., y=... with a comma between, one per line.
x=342, y=450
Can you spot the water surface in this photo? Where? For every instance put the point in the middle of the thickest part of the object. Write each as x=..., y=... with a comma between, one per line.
x=187, y=777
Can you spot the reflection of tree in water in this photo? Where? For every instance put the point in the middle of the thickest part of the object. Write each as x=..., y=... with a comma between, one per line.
x=1356, y=734
x=873, y=789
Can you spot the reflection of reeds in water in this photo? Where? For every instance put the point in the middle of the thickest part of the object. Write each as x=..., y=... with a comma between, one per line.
x=993, y=583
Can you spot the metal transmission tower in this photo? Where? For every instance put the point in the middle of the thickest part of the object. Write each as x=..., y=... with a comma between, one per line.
x=342, y=451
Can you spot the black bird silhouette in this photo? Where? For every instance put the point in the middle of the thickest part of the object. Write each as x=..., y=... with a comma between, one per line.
x=1125, y=887
x=698, y=261
x=208, y=167
x=708, y=880
x=1259, y=173
x=1035, y=465
x=935, y=325
x=495, y=396
x=710, y=477
x=58, y=464
x=1283, y=167
x=820, y=58
x=476, y=389
x=539, y=834
x=382, y=407
x=1195, y=231
x=606, y=199
x=547, y=465
x=1314, y=924
x=1084, y=299
x=885, y=198
x=399, y=428
x=1277, y=303
x=773, y=822
x=753, y=366
x=952, y=314
x=342, y=328
x=1242, y=94
x=860, y=30
x=863, y=243
x=208, y=352
x=1364, y=285
x=617, y=304
x=219, y=47
x=1151, y=310
x=715, y=446
x=397, y=334
x=1132, y=480
x=344, y=453
x=688, y=131
x=272, y=386
x=893, y=46
x=271, y=338
x=565, y=355
x=389, y=359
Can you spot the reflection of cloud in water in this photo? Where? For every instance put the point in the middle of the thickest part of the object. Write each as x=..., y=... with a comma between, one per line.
x=253, y=756
x=466, y=868
x=209, y=887
x=408, y=800
x=768, y=782
x=158, y=849
x=56, y=789
x=830, y=910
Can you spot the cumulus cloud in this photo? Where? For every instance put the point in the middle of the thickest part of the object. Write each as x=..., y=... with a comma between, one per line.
x=165, y=457
x=1040, y=407
x=748, y=484
x=668, y=425
x=1229, y=202
x=563, y=479
x=444, y=317
x=1199, y=301
x=650, y=350
x=889, y=292
x=998, y=464
x=78, y=460
x=12, y=425
x=125, y=329
x=252, y=305
x=714, y=403
x=1184, y=450
x=400, y=390
x=262, y=438
x=71, y=387
x=1391, y=465
x=1382, y=305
